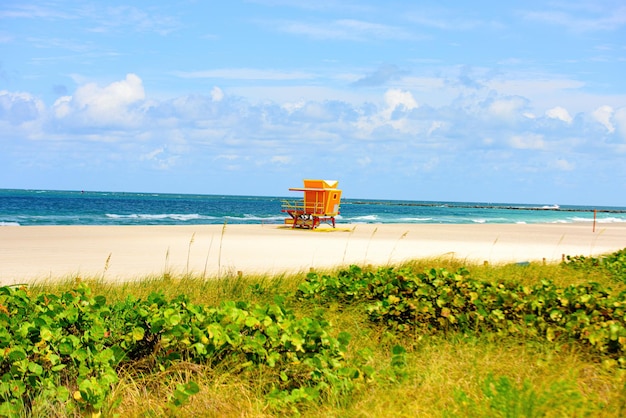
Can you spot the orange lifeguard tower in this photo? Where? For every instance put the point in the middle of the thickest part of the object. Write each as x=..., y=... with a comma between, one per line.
x=320, y=204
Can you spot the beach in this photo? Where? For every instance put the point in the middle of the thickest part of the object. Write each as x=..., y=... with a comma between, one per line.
x=40, y=253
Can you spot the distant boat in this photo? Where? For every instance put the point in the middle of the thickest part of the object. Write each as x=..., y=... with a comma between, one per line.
x=551, y=207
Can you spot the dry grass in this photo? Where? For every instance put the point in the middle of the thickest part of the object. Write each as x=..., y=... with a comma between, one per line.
x=440, y=369
x=444, y=375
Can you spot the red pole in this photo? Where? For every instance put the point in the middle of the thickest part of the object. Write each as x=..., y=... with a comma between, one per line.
x=594, y=220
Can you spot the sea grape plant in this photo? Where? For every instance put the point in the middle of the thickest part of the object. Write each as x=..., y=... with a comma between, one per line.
x=614, y=264
x=68, y=349
x=438, y=300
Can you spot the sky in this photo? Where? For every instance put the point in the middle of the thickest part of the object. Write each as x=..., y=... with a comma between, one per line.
x=482, y=101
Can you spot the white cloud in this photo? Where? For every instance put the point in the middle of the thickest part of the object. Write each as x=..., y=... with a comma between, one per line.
x=153, y=154
x=246, y=74
x=529, y=86
x=396, y=104
x=33, y=12
x=444, y=20
x=100, y=106
x=364, y=161
x=560, y=113
x=18, y=108
x=431, y=164
x=317, y=111
x=435, y=125
x=235, y=133
x=227, y=157
x=292, y=107
x=601, y=20
x=343, y=29
x=159, y=158
x=620, y=119
x=603, y=115
x=507, y=108
x=564, y=165
x=541, y=91
x=63, y=106
x=217, y=94
x=396, y=98
x=114, y=18
x=281, y=159
x=113, y=96
x=527, y=141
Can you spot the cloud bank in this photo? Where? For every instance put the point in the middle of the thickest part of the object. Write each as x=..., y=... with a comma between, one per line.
x=488, y=131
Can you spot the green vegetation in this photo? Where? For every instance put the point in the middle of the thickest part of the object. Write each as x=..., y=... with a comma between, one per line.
x=428, y=338
x=613, y=265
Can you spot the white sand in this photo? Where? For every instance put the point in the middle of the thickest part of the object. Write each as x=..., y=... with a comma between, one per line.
x=29, y=253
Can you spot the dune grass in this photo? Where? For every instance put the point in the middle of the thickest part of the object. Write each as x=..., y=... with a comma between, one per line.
x=432, y=375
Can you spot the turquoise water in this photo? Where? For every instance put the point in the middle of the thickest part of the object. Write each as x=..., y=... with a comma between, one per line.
x=47, y=207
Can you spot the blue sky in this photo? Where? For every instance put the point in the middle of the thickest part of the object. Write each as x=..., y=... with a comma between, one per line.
x=491, y=101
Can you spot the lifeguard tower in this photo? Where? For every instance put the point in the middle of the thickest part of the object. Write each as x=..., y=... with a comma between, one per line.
x=320, y=204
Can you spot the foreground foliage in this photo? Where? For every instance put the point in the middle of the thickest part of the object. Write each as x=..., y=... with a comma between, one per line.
x=71, y=351
x=439, y=300
x=71, y=346
x=614, y=264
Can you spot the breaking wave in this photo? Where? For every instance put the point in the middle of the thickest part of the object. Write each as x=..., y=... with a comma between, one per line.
x=161, y=216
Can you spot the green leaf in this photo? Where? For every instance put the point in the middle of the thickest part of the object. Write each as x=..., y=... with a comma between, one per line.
x=138, y=333
x=97, y=332
x=66, y=348
x=81, y=354
x=398, y=350
x=344, y=338
x=252, y=322
x=45, y=334
x=105, y=356
x=35, y=368
x=17, y=354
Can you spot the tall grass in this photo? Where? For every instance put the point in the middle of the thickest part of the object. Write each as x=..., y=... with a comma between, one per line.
x=345, y=250
x=106, y=265
x=219, y=256
x=166, y=269
x=368, y=245
x=396, y=245
x=206, y=260
x=193, y=236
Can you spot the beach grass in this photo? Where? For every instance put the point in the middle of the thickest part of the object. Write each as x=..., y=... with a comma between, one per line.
x=442, y=374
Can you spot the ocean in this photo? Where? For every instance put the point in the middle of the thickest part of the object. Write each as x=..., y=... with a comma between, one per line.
x=49, y=207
